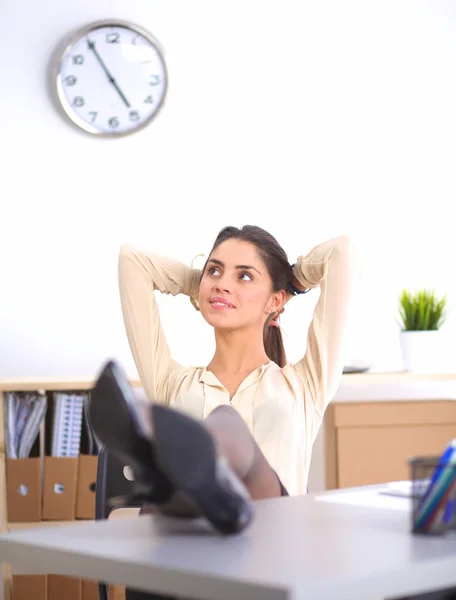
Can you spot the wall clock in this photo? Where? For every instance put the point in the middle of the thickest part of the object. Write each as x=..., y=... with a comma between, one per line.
x=110, y=78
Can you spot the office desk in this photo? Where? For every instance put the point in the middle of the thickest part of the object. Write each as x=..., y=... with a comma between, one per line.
x=297, y=547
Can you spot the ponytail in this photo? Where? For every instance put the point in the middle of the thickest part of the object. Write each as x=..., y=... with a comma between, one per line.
x=273, y=344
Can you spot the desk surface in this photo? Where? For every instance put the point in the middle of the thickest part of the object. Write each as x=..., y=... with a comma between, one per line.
x=297, y=547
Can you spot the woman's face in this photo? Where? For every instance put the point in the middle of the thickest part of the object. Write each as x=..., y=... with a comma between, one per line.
x=236, y=289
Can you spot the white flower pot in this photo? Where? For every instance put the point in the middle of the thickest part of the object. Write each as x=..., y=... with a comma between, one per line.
x=421, y=350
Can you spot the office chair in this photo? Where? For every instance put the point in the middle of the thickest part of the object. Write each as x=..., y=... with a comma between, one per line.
x=111, y=483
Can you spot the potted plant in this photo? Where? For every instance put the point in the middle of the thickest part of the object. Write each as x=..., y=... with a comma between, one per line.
x=422, y=314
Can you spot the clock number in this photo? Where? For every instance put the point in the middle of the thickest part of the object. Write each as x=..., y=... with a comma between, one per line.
x=70, y=80
x=78, y=101
x=93, y=115
x=114, y=122
x=155, y=80
x=113, y=38
x=78, y=59
x=134, y=115
x=148, y=100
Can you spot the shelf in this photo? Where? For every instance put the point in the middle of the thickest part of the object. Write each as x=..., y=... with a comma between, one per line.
x=394, y=377
x=51, y=384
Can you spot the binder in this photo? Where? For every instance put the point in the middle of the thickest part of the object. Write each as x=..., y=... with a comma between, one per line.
x=61, y=587
x=26, y=587
x=23, y=414
x=116, y=592
x=61, y=468
x=85, y=495
x=90, y=590
x=87, y=471
x=23, y=489
x=59, y=489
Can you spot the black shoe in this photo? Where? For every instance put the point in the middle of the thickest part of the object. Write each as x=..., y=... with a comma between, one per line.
x=187, y=455
x=115, y=419
x=173, y=457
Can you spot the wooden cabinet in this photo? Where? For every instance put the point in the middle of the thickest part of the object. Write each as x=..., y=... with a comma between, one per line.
x=371, y=442
x=43, y=585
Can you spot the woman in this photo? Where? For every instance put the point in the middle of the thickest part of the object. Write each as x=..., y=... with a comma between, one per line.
x=259, y=412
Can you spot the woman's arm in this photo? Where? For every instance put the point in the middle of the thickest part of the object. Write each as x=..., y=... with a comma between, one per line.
x=332, y=266
x=140, y=274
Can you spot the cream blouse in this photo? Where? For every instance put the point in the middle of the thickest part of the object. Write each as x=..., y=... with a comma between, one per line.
x=282, y=407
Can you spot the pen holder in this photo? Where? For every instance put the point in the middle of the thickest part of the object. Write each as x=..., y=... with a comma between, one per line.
x=433, y=495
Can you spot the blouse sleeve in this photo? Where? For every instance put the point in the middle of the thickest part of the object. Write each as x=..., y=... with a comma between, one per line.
x=140, y=274
x=331, y=266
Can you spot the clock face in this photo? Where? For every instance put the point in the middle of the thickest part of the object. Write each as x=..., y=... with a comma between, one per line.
x=111, y=78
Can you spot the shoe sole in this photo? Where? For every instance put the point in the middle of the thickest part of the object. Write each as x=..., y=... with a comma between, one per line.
x=113, y=418
x=186, y=453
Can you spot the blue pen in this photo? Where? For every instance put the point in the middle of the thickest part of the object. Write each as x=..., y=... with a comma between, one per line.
x=441, y=483
x=442, y=518
x=444, y=459
x=438, y=493
x=442, y=515
x=449, y=512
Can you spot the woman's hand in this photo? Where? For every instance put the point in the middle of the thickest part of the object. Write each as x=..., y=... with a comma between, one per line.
x=295, y=283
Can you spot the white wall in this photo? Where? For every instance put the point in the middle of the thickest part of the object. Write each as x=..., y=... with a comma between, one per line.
x=308, y=118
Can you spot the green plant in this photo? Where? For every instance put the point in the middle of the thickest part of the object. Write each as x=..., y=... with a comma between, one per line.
x=421, y=310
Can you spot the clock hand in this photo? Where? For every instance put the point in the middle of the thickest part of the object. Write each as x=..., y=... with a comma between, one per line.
x=108, y=74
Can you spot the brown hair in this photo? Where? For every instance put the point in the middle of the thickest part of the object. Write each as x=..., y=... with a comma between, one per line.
x=276, y=261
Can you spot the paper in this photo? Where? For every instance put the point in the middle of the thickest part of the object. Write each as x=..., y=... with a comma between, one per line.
x=24, y=413
x=402, y=486
x=67, y=424
x=370, y=498
x=406, y=489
